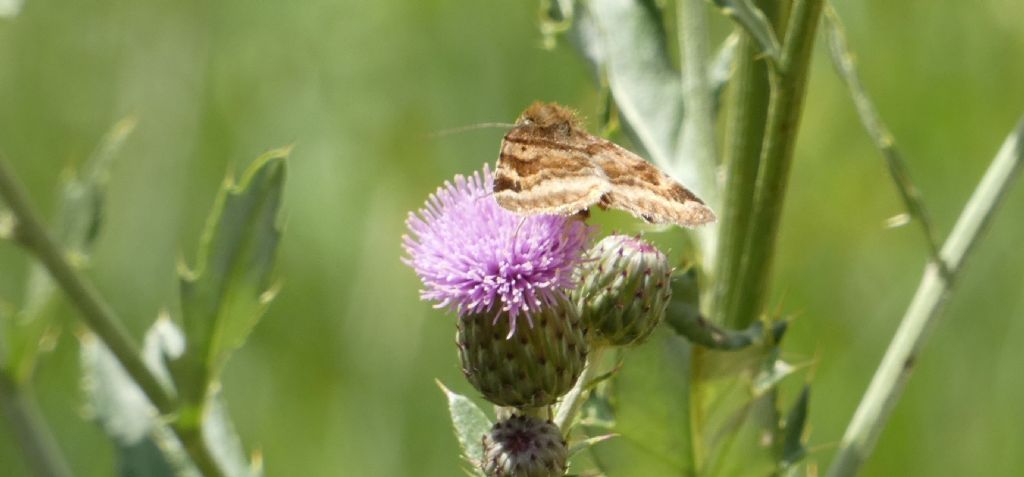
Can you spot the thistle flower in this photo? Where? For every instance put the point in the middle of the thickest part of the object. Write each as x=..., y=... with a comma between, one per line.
x=474, y=256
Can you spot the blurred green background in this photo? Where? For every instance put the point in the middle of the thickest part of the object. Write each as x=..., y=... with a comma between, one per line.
x=338, y=378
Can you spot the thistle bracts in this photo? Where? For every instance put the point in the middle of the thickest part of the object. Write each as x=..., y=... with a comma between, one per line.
x=524, y=446
x=532, y=367
x=623, y=291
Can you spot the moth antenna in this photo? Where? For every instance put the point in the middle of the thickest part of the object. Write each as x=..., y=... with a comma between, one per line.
x=515, y=235
x=471, y=127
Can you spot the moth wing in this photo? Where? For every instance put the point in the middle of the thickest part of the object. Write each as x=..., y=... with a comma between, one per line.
x=544, y=177
x=643, y=190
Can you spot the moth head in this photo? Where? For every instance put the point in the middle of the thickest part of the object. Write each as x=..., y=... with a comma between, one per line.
x=549, y=118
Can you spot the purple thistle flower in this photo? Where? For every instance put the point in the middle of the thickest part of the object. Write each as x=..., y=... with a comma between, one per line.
x=472, y=254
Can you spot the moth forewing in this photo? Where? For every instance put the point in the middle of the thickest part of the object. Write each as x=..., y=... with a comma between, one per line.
x=643, y=190
x=550, y=165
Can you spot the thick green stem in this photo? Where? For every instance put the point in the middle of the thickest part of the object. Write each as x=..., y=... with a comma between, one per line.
x=98, y=315
x=784, y=109
x=747, y=111
x=571, y=402
x=39, y=448
x=892, y=374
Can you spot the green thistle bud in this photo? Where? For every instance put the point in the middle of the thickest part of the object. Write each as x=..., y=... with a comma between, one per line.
x=524, y=446
x=624, y=289
x=524, y=366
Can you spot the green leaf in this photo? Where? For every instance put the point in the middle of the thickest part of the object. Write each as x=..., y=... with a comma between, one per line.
x=77, y=224
x=222, y=439
x=793, y=449
x=625, y=42
x=734, y=417
x=650, y=399
x=721, y=69
x=471, y=424
x=126, y=415
x=124, y=412
x=227, y=292
x=142, y=459
x=588, y=443
x=83, y=193
x=10, y=8
x=755, y=23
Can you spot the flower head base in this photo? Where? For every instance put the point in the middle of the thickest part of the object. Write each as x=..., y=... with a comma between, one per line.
x=472, y=255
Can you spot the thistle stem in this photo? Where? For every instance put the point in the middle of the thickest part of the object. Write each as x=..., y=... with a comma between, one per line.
x=571, y=402
x=98, y=315
x=894, y=371
x=40, y=449
x=785, y=105
x=747, y=111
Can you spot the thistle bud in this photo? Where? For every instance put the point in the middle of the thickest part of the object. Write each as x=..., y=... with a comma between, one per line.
x=529, y=365
x=524, y=446
x=624, y=290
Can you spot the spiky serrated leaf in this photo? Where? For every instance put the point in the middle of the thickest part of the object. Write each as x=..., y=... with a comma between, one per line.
x=649, y=399
x=79, y=217
x=755, y=23
x=222, y=439
x=142, y=459
x=588, y=443
x=737, y=420
x=736, y=401
x=82, y=204
x=224, y=296
x=126, y=415
x=470, y=424
x=792, y=448
x=124, y=412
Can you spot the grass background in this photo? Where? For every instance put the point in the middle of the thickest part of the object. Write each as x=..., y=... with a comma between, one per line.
x=338, y=378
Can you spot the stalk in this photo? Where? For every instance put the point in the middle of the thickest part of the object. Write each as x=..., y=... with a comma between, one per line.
x=40, y=449
x=746, y=113
x=98, y=316
x=571, y=402
x=785, y=105
x=892, y=374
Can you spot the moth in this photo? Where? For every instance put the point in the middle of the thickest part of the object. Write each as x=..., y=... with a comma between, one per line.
x=550, y=165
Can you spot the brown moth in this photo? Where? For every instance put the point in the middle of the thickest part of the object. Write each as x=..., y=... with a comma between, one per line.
x=550, y=165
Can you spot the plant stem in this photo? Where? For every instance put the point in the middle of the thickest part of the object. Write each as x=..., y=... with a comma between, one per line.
x=98, y=315
x=784, y=109
x=40, y=449
x=747, y=111
x=876, y=128
x=571, y=402
x=30, y=233
x=894, y=371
